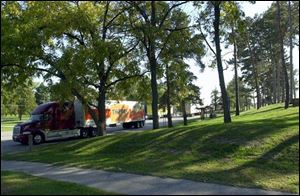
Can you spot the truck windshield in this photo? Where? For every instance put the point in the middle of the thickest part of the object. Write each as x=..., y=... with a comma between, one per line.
x=35, y=117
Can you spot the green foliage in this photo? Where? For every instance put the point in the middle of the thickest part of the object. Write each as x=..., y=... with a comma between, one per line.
x=263, y=39
x=216, y=100
x=80, y=44
x=17, y=101
x=42, y=94
x=244, y=95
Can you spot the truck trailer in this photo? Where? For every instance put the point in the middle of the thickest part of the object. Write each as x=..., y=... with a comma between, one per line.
x=52, y=120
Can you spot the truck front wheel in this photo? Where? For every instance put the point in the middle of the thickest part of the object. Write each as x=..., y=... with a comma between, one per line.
x=38, y=139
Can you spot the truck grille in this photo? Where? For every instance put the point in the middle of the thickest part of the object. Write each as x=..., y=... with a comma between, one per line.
x=16, y=130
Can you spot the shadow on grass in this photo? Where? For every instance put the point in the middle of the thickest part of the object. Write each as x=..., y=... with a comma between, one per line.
x=262, y=110
x=248, y=174
x=168, y=152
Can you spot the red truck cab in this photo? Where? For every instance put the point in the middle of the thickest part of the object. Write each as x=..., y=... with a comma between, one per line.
x=48, y=121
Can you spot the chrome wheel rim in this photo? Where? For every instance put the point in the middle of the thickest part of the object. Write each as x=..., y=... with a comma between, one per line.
x=37, y=139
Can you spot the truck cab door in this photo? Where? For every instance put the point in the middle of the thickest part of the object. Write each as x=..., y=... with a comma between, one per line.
x=49, y=119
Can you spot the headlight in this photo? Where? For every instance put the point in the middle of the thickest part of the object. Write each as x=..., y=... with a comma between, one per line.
x=17, y=130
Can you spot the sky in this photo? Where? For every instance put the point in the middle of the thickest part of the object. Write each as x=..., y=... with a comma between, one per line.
x=209, y=79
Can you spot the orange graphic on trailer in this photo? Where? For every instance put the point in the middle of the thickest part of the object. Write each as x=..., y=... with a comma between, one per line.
x=119, y=113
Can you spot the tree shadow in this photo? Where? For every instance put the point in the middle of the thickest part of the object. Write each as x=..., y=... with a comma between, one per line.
x=262, y=110
x=168, y=152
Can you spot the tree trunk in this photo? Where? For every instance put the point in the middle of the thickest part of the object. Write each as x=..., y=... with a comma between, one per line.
x=291, y=52
x=95, y=115
x=253, y=100
x=153, y=68
x=274, y=88
x=227, y=118
x=102, y=118
x=184, y=112
x=278, y=81
x=168, y=97
x=280, y=38
x=282, y=87
x=237, y=104
x=254, y=65
x=263, y=99
x=216, y=104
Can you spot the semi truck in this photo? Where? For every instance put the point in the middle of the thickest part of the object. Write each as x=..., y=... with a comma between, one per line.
x=53, y=120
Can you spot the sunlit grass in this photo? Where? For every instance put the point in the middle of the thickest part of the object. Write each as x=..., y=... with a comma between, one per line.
x=260, y=149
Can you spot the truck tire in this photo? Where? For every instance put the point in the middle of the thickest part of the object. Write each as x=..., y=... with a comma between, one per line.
x=37, y=139
x=136, y=125
x=126, y=125
x=93, y=132
x=84, y=133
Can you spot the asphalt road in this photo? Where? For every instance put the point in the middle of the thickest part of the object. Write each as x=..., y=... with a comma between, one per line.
x=9, y=146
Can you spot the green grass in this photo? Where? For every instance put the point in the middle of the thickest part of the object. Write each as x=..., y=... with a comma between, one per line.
x=7, y=123
x=18, y=183
x=258, y=149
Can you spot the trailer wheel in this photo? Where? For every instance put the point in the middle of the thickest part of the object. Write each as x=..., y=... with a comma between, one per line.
x=126, y=125
x=84, y=133
x=38, y=139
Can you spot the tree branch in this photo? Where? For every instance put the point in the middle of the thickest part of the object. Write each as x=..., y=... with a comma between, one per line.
x=142, y=12
x=123, y=55
x=70, y=35
x=179, y=29
x=118, y=14
x=104, y=28
x=60, y=75
x=168, y=12
x=206, y=40
x=125, y=78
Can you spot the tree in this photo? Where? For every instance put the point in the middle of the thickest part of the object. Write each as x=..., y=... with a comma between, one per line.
x=17, y=101
x=182, y=45
x=266, y=52
x=291, y=51
x=149, y=24
x=215, y=98
x=280, y=38
x=208, y=18
x=25, y=100
x=92, y=48
x=225, y=100
x=232, y=18
x=245, y=94
x=248, y=45
x=42, y=94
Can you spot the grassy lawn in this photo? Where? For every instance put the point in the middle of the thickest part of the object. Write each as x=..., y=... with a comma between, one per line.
x=18, y=183
x=7, y=123
x=258, y=149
